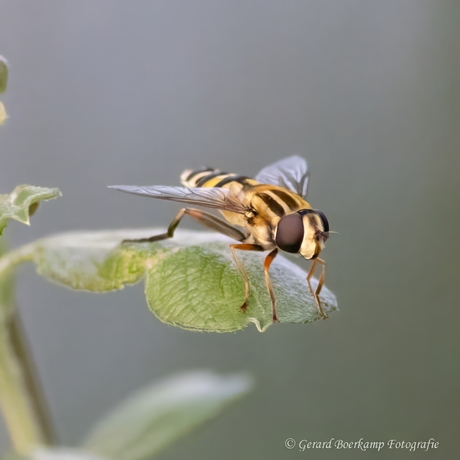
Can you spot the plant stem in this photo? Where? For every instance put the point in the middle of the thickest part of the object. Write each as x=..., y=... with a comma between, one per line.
x=9, y=260
x=22, y=351
x=21, y=400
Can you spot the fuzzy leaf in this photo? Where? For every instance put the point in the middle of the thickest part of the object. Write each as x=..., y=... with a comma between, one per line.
x=22, y=203
x=156, y=416
x=191, y=280
x=55, y=454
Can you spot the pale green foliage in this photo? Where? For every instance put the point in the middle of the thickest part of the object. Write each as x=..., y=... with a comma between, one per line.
x=56, y=454
x=22, y=202
x=191, y=280
x=153, y=418
x=156, y=416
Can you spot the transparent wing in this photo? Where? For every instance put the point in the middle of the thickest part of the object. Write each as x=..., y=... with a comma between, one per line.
x=218, y=198
x=291, y=173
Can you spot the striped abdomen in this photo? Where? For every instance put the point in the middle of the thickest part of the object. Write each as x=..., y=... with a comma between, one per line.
x=270, y=200
x=208, y=177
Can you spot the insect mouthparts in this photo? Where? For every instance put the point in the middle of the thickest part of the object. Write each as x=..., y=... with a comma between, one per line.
x=321, y=235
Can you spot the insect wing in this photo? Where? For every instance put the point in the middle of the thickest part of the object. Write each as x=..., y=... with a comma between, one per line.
x=291, y=173
x=218, y=198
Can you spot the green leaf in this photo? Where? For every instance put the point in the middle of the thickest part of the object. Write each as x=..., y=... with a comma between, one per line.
x=156, y=416
x=3, y=74
x=55, y=454
x=191, y=280
x=22, y=203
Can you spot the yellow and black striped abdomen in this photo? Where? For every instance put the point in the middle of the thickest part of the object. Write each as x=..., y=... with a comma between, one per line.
x=276, y=201
x=270, y=200
x=208, y=177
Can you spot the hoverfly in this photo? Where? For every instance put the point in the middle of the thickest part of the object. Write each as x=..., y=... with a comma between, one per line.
x=267, y=213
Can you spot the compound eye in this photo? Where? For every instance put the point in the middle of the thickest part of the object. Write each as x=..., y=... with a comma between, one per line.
x=289, y=235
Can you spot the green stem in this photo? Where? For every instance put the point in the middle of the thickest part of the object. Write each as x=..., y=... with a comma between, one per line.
x=20, y=255
x=21, y=400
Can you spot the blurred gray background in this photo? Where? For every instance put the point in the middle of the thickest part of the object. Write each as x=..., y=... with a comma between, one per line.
x=104, y=92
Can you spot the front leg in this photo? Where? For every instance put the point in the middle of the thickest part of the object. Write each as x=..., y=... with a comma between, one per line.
x=320, y=284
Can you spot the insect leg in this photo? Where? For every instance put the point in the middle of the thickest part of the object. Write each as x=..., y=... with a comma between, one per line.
x=208, y=220
x=320, y=284
x=244, y=247
x=214, y=223
x=268, y=261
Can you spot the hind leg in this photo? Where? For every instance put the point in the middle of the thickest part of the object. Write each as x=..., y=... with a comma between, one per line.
x=268, y=261
x=208, y=220
x=244, y=247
